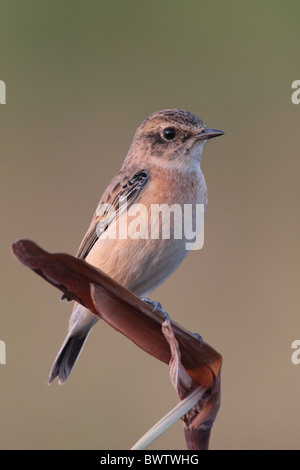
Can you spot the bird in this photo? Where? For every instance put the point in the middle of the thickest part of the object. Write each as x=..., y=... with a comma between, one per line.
x=162, y=166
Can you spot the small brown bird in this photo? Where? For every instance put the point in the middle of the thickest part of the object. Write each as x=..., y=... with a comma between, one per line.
x=162, y=167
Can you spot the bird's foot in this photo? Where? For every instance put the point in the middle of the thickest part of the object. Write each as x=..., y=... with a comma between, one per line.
x=199, y=337
x=156, y=307
x=65, y=297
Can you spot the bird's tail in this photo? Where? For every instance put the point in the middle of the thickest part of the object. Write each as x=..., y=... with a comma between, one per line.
x=81, y=324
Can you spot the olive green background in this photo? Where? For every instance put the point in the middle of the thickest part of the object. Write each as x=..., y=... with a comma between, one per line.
x=80, y=77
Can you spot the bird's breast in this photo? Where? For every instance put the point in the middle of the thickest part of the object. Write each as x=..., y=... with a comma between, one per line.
x=154, y=242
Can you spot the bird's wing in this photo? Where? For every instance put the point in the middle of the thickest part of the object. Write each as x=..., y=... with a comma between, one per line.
x=111, y=206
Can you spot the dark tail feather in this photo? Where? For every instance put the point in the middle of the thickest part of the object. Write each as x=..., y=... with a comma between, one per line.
x=67, y=358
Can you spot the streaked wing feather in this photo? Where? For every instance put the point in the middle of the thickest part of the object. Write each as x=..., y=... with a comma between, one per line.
x=129, y=192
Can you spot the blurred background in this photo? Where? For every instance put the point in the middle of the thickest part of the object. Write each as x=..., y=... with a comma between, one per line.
x=80, y=77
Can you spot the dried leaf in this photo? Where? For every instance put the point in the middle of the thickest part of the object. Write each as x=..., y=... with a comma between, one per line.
x=192, y=363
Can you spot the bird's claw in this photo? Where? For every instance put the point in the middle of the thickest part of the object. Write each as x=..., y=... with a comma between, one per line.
x=199, y=337
x=156, y=307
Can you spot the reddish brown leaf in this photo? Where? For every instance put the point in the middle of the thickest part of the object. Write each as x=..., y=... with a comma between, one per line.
x=191, y=363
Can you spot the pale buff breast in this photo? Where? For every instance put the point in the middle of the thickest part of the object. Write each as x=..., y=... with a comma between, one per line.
x=142, y=264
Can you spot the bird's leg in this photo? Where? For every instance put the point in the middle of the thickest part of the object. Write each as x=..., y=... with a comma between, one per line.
x=156, y=307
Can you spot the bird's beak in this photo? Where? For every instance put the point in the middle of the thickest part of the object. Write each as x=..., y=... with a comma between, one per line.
x=208, y=133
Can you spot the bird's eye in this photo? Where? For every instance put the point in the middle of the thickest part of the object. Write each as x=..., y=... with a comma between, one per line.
x=169, y=133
